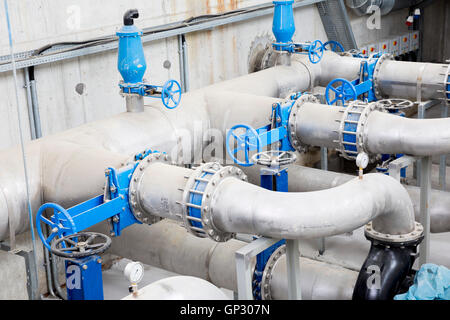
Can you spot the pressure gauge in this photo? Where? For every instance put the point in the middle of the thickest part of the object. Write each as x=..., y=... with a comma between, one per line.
x=134, y=271
x=362, y=160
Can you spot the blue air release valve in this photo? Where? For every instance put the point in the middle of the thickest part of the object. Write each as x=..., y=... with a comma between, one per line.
x=132, y=66
x=284, y=28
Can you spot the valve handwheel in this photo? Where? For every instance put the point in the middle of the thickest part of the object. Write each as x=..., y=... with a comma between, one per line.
x=315, y=51
x=274, y=158
x=246, y=142
x=333, y=46
x=61, y=223
x=81, y=245
x=171, y=94
x=395, y=104
x=343, y=89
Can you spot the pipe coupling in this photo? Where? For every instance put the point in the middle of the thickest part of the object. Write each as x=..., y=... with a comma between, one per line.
x=197, y=197
x=376, y=75
x=412, y=237
x=135, y=202
x=351, y=130
x=294, y=140
x=268, y=271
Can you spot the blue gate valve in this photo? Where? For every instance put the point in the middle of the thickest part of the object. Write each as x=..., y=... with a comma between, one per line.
x=246, y=142
x=284, y=28
x=363, y=86
x=132, y=66
x=333, y=46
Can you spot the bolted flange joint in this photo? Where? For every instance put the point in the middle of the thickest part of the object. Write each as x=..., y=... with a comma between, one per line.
x=139, y=213
x=293, y=139
x=403, y=239
x=197, y=197
x=267, y=274
x=376, y=72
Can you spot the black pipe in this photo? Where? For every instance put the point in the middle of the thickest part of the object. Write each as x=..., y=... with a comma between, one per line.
x=385, y=270
x=129, y=16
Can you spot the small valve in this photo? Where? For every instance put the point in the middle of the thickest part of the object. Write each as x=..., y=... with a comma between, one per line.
x=362, y=161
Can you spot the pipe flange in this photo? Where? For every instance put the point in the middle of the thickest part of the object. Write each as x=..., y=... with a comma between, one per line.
x=266, y=293
x=352, y=125
x=139, y=213
x=413, y=236
x=212, y=174
x=293, y=139
x=376, y=87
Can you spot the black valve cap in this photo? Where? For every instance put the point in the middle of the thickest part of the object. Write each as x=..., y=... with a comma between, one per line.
x=129, y=16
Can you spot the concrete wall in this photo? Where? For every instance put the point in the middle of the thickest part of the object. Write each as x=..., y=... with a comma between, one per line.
x=436, y=41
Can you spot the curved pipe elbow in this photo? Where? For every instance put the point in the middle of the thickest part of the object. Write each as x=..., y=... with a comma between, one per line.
x=240, y=207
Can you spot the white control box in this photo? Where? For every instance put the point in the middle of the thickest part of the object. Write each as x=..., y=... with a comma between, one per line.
x=373, y=48
x=384, y=47
x=414, y=40
x=404, y=44
x=394, y=46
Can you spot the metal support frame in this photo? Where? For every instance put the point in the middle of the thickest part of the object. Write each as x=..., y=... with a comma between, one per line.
x=324, y=166
x=244, y=270
x=443, y=158
x=425, y=198
x=293, y=269
x=396, y=166
x=84, y=279
x=30, y=267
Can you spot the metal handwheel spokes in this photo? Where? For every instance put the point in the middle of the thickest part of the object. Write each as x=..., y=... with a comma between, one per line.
x=274, y=158
x=81, y=245
x=395, y=104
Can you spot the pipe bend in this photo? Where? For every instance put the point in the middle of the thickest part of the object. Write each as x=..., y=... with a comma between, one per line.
x=240, y=207
x=387, y=133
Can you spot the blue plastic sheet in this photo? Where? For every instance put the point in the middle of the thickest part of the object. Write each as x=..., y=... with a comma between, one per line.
x=432, y=282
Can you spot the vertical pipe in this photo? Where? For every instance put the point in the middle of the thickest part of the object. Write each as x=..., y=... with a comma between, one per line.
x=181, y=62
x=29, y=104
x=443, y=160
x=35, y=102
x=324, y=166
x=293, y=269
x=425, y=193
x=186, y=63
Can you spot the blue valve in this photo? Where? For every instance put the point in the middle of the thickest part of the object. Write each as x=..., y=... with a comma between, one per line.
x=315, y=51
x=61, y=223
x=344, y=92
x=333, y=46
x=171, y=94
x=246, y=142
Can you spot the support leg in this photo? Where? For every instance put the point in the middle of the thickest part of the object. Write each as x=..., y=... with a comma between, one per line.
x=425, y=192
x=293, y=269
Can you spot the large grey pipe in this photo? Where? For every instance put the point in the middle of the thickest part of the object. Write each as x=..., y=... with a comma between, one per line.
x=304, y=179
x=240, y=207
x=383, y=133
x=363, y=7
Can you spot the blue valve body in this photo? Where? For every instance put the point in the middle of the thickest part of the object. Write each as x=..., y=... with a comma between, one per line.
x=283, y=21
x=131, y=62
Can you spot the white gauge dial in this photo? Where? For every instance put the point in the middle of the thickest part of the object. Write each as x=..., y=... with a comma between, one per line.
x=362, y=161
x=134, y=271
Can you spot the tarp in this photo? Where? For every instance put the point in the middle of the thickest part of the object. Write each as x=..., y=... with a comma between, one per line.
x=432, y=282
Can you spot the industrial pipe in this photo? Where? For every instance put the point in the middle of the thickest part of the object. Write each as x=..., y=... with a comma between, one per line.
x=304, y=179
x=362, y=7
x=176, y=250
x=378, y=132
x=236, y=206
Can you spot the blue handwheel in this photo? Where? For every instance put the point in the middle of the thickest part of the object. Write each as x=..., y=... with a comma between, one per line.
x=315, y=51
x=246, y=142
x=61, y=224
x=333, y=46
x=344, y=91
x=171, y=94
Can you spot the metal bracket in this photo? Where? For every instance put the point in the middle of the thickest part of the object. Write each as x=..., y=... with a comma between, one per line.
x=396, y=166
